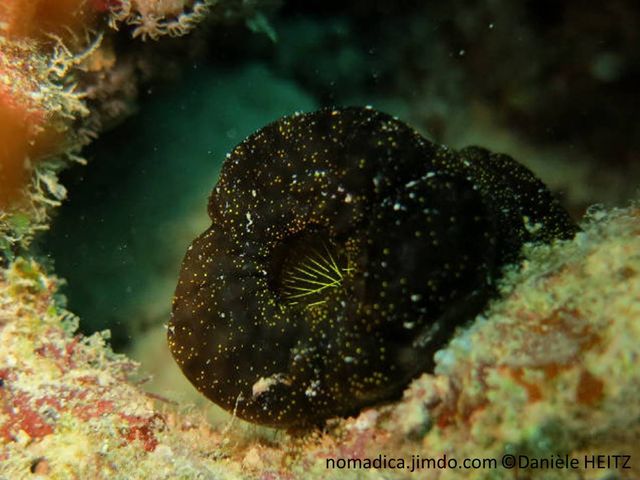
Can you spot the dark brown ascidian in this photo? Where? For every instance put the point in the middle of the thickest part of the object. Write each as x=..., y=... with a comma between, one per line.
x=343, y=252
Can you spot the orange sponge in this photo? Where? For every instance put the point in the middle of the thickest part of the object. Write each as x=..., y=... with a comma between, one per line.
x=39, y=18
x=28, y=130
x=24, y=137
x=14, y=141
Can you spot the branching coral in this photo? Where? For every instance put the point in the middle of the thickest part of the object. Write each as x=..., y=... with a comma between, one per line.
x=175, y=18
x=155, y=19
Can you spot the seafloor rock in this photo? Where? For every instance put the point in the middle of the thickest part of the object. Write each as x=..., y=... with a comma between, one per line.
x=550, y=370
x=68, y=406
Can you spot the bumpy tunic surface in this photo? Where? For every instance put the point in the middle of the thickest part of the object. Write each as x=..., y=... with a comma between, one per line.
x=343, y=252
